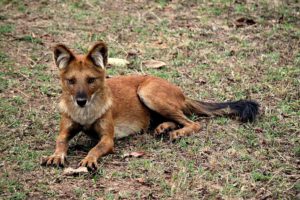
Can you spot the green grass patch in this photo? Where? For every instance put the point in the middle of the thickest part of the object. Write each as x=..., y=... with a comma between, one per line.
x=26, y=158
x=29, y=38
x=8, y=113
x=259, y=176
x=6, y=28
x=12, y=188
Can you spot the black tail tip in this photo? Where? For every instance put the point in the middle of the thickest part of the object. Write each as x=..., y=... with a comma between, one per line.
x=247, y=110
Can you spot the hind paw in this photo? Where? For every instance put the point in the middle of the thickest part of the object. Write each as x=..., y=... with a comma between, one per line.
x=164, y=128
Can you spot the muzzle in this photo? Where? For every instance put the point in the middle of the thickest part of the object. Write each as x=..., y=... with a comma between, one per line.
x=81, y=99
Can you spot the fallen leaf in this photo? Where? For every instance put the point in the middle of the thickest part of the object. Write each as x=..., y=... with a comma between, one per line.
x=231, y=79
x=241, y=22
x=213, y=163
x=140, y=180
x=232, y=152
x=284, y=115
x=155, y=64
x=206, y=150
x=132, y=53
x=73, y=172
x=258, y=130
x=159, y=44
x=240, y=1
x=143, y=182
x=134, y=154
x=201, y=81
x=117, y=62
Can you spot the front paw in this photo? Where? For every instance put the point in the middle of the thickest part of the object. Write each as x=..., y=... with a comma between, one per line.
x=90, y=162
x=57, y=160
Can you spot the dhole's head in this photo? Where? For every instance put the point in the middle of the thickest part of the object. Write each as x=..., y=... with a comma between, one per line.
x=81, y=75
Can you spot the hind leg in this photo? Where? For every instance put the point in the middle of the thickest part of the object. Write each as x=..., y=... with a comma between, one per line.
x=189, y=127
x=169, y=101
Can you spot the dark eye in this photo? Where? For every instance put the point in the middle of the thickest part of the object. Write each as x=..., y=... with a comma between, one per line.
x=91, y=80
x=71, y=81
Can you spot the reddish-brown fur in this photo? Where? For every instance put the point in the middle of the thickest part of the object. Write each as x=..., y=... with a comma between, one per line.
x=115, y=107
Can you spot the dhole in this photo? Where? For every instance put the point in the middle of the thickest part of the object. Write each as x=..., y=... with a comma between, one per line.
x=121, y=106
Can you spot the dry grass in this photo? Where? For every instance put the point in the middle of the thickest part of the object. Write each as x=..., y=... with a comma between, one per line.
x=208, y=53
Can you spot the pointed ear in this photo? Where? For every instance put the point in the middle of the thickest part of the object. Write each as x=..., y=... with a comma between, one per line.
x=98, y=54
x=62, y=56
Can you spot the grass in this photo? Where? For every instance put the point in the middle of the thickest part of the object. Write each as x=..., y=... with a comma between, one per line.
x=6, y=28
x=206, y=54
x=29, y=38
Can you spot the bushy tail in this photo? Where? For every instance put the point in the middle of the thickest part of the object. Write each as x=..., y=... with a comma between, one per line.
x=246, y=110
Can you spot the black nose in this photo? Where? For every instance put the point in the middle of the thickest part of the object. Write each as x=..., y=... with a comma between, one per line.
x=81, y=102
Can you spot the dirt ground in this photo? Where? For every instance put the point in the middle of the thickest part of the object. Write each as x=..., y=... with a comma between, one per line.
x=215, y=50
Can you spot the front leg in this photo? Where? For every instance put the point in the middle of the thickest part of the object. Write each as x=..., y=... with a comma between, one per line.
x=68, y=129
x=104, y=127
